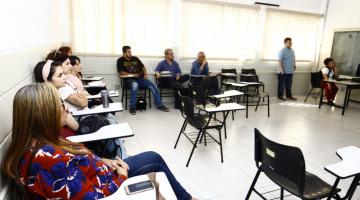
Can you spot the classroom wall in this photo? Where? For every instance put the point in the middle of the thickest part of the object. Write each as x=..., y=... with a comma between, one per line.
x=340, y=15
x=30, y=28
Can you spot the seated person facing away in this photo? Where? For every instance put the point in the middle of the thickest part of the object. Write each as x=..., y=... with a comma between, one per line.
x=329, y=72
x=53, y=73
x=199, y=67
x=46, y=166
x=131, y=65
x=176, y=80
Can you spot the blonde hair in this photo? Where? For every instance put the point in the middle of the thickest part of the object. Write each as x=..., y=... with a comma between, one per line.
x=36, y=118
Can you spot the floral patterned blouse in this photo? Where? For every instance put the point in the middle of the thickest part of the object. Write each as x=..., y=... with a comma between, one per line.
x=57, y=174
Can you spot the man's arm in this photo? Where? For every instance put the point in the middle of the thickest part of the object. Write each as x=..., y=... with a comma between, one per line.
x=158, y=70
x=280, y=63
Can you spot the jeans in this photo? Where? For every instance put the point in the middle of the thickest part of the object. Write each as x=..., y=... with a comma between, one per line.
x=150, y=161
x=284, y=79
x=134, y=85
x=177, y=85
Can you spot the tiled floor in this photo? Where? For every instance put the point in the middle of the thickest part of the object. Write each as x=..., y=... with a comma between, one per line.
x=319, y=133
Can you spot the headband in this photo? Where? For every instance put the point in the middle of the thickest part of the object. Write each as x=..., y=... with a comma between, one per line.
x=46, y=70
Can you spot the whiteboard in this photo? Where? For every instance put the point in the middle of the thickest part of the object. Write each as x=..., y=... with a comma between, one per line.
x=346, y=51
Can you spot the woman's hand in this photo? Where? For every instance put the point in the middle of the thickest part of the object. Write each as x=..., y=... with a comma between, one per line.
x=117, y=165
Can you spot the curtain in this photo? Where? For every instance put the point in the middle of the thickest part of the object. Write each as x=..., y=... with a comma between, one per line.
x=302, y=28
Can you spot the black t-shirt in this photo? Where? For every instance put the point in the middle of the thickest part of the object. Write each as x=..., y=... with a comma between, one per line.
x=134, y=65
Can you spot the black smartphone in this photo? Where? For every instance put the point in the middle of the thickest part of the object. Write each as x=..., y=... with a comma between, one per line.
x=139, y=187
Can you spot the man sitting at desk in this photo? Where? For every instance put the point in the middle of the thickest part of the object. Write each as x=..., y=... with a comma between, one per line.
x=129, y=65
x=199, y=68
x=169, y=75
x=329, y=72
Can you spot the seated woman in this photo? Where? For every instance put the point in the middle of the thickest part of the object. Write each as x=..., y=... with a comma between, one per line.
x=44, y=166
x=54, y=73
x=329, y=72
x=76, y=63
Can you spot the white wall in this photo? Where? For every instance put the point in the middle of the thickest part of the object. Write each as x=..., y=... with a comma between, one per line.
x=29, y=29
x=340, y=15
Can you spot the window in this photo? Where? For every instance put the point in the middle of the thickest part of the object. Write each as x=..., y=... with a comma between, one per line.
x=104, y=26
x=302, y=28
x=221, y=31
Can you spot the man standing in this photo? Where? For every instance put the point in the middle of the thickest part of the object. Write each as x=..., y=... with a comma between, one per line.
x=175, y=79
x=131, y=65
x=199, y=68
x=285, y=70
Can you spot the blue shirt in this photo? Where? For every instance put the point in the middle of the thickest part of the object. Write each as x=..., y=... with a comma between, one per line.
x=195, y=70
x=287, y=56
x=173, y=68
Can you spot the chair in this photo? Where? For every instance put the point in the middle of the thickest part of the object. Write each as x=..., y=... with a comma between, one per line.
x=315, y=83
x=285, y=166
x=165, y=90
x=125, y=94
x=201, y=122
x=225, y=78
x=358, y=71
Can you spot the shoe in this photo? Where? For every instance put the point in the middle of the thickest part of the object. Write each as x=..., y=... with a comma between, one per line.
x=163, y=108
x=292, y=98
x=133, y=111
x=331, y=103
x=281, y=98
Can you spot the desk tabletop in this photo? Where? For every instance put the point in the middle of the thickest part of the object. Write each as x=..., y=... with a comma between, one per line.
x=251, y=83
x=349, y=164
x=343, y=82
x=229, y=93
x=225, y=107
x=92, y=78
x=229, y=74
x=95, y=84
x=164, y=188
x=236, y=84
x=110, y=131
x=112, y=93
x=113, y=107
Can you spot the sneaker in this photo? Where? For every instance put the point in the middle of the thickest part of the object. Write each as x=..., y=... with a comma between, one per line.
x=281, y=98
x=292, y=98
x=163, y=108
x=133, y=111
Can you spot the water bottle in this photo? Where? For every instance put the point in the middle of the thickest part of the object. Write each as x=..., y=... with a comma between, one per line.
x=105, y=98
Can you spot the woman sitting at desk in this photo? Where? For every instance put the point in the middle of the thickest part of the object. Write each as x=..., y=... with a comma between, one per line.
x=329, y=72
x=41, y=165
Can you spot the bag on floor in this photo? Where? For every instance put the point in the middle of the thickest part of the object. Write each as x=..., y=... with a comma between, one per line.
x=141, y=104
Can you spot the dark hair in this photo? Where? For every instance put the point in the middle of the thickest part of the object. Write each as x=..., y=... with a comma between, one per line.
x=73, y=60
x=328, y=60
x=125, y=48
x=287, y=39
x=57, y=56
x=38, y=71
x=65, y=49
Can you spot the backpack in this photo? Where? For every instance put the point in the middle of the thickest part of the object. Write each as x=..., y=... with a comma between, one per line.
x=141, y=103
x=107, y=148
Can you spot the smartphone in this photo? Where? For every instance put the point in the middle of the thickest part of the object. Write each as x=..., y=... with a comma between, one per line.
x=139, y=187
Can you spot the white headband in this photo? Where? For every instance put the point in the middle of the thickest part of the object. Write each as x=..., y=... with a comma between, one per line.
x=46, y=70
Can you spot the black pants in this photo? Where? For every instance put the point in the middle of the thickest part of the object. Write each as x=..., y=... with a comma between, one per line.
x=177, y=85
x=285, y=79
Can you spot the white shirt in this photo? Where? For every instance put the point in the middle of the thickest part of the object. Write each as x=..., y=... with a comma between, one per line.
x=325, y=71
x=65, y=92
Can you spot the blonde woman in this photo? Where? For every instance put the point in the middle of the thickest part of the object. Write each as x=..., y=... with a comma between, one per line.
x=42, y=165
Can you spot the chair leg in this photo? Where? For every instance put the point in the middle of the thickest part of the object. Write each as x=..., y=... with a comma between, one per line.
x=308, y=95
x=149, y=97
x=221, y=149
x=257, y=104
x=281, y=193
x=268, y=105
x=192, y=151
x=318, y=94
x=253, y=185
x=126, y=99
x=181, y=131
